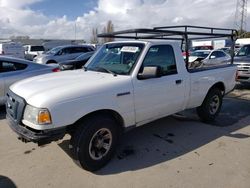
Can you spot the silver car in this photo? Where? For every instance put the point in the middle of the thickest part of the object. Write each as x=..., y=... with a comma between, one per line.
x=63, y=53
x=216, y=57
x=13, y=69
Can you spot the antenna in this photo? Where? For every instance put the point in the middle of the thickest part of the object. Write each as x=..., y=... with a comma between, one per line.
x=241, y=16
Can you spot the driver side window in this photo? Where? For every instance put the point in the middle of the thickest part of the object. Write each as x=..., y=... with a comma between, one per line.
x=162, y=56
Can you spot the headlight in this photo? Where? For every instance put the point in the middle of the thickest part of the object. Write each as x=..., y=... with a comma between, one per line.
x=37, y=116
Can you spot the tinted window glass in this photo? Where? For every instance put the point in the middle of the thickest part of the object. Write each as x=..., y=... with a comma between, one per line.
x=162, y=56
x=244, y=51
x=65, y=51
x=36, y=48
x=11, y=66
x=79, y=50
x=221, y=54
x=213, y=54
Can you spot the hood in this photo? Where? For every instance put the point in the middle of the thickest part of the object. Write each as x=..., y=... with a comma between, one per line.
x=47, y=89
x=242, y=59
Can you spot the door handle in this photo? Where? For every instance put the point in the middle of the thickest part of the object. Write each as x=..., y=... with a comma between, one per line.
x=178, y=82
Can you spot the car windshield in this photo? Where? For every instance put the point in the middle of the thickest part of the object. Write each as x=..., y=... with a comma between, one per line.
x=203, y=54
x=117, y=58
x=53, y=50
x=244, y=51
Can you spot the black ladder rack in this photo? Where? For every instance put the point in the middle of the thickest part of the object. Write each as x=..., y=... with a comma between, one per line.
x=183, y=33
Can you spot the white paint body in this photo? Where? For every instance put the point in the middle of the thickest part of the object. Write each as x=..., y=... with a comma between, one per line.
x=242, y=41
x=12, y=49
x=71, y=95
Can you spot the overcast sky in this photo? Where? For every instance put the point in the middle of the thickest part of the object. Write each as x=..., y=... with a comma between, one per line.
x=61, y=18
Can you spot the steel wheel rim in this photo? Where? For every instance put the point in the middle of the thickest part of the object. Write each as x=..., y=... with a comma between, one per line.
x=100, y=144
x=214, y=104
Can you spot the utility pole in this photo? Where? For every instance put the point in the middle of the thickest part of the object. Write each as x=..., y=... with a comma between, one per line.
x=75, y=30
x=240, y=21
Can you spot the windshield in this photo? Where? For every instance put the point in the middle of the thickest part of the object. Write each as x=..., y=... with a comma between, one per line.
x=54, y=50
x=244, y=51
x=200, y=54
x=117, y=58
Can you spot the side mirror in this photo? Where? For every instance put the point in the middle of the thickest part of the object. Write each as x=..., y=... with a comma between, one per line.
x=212, y=57
x=150, y=72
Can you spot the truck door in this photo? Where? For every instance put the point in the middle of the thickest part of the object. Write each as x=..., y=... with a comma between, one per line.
x=161, y=96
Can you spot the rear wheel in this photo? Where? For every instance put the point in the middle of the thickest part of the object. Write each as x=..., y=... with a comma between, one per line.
x=94, y=142
x=211, y=105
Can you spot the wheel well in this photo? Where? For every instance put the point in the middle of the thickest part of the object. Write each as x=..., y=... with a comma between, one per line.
x=51, y=61
x=220, y=86
x=111, y=113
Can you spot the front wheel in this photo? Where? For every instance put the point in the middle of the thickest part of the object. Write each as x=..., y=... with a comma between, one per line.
x=211, y=105
x=94, y=142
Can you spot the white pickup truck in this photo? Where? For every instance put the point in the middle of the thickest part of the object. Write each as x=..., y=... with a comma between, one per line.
x=125, y=84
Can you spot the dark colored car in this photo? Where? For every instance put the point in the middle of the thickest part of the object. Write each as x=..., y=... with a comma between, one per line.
x=76, y=63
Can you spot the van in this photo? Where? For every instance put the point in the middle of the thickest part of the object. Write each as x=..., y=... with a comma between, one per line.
x=12, y=49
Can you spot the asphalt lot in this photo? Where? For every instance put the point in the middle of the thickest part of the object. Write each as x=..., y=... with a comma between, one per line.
x=171, y=152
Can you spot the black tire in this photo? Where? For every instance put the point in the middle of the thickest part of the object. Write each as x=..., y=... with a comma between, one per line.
x=87, y=138
x=211, y=105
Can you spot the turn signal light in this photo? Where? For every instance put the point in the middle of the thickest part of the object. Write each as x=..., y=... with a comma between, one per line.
x=44, y=117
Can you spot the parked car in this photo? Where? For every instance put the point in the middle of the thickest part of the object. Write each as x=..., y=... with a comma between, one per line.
x=13, y=69
x=63, y=53
x=216, y=57
x=13, y=49
x=76, y=63
x=125, y=84
x=242, y=60
x=196, y=48
x=31, y=51
x=201, y=58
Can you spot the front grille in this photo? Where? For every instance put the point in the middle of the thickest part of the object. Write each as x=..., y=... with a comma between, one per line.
x=14, y=106
x=245, y=67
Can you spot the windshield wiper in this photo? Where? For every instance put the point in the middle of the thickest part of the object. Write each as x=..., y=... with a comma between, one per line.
x=106, y=70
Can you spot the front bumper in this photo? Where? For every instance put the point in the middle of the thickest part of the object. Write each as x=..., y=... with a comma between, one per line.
x=27, y=134
x=243, y=76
